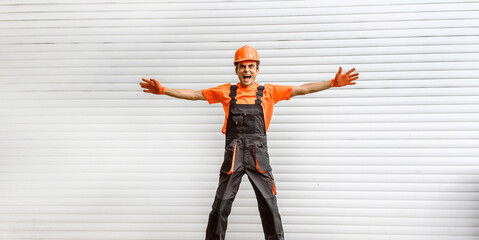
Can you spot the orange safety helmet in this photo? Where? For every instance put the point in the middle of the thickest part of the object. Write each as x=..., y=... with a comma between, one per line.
x=246, y=53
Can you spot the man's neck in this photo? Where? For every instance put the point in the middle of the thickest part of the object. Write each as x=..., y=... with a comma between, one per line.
x=252, y=85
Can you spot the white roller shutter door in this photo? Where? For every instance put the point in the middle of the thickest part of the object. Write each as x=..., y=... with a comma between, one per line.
x=85, y=154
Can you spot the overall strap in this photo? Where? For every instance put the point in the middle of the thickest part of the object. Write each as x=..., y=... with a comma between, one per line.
x=259, y=95
x=233, y=94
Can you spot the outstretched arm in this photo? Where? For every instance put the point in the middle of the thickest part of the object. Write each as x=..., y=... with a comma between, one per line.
x=338, y=81
x=153, y=86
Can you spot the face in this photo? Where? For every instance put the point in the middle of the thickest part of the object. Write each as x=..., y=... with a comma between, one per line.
x=247, y=71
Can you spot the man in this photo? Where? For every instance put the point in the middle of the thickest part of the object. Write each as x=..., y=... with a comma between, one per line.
x=248, y=109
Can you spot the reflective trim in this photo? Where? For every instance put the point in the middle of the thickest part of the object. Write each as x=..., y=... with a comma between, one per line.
x=256, y=160
x=233, y=160
x=273, y=186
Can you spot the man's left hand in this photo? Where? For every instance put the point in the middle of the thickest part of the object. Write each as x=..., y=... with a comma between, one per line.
x=345, y=78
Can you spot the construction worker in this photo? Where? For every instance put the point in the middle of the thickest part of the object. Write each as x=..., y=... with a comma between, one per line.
x=248, y=109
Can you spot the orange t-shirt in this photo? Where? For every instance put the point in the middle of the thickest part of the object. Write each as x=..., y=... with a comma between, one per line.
x=271, y=95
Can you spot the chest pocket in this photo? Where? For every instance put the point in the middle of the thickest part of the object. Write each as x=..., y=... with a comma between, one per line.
x=246, y=118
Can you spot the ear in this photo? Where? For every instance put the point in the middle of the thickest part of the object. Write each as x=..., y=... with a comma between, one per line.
x=236, y=70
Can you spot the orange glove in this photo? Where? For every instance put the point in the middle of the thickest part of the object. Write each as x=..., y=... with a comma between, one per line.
x=152, y=86
x=344, y=79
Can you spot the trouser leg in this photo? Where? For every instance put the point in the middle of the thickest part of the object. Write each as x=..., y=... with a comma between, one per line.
x=264, y=188
x=221, y=209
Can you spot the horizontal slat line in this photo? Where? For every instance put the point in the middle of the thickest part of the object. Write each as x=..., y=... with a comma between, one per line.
x=142, y=30
x=468, y=99
x=287, y=221
x=285, y=109
x=252, y=219
x=233, y=37
x=292, y=127
x=234, y=13
x=197, y=83
x=86, y=6
x=197, y=191
x=169, y=76
x=212, y=112
x=350, y=195
x=366, y=78
x=206, y=2
x=226, y=13
x=326, y=152
x=280, y=177
x=280, y=119
x=185, y=170
x=272, y=21
x=213, y=180
x=161, y=166
x=274, y=136
x=181, y=221
x=366, y=17
x=267, y=45
x=239, y=234
x=160, y=7
x=206, y=193
x=290, y=186
x=131, y=90
x=283, y=144
x=293, y=54
x=241, y=230
x=300, y=102
x=366, y=70
x=284, y=186
x=383, y=152
x=173, y=63
x=323, y=208
x=290, y=219
x=326, y=207
x=11, y=199
x=214, y=159
x=123, y=218
x=305, y=17
x=300, y=54
x=361, y=151
x=247, y=219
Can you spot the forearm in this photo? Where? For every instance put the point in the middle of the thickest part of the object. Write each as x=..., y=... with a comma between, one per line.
x=311, y=88
x=187, y=94
x=316, y=86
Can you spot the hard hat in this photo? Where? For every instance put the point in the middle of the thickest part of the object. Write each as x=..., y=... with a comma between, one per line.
x=246, y=53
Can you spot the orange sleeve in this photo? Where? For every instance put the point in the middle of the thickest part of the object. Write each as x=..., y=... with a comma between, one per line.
x=281, y=92
x=217, y=94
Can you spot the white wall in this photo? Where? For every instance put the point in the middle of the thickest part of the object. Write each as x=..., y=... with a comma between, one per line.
x=85, y=154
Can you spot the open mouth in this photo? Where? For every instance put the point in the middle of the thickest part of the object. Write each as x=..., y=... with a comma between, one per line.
x=246, y=77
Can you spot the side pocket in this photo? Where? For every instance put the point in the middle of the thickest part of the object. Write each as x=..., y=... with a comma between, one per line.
x=229, y=161
x=262, y=161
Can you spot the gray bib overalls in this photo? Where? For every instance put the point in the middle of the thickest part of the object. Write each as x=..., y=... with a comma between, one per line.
x=246, y=151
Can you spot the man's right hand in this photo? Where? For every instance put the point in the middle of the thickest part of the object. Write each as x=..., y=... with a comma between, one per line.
x=152, y=86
